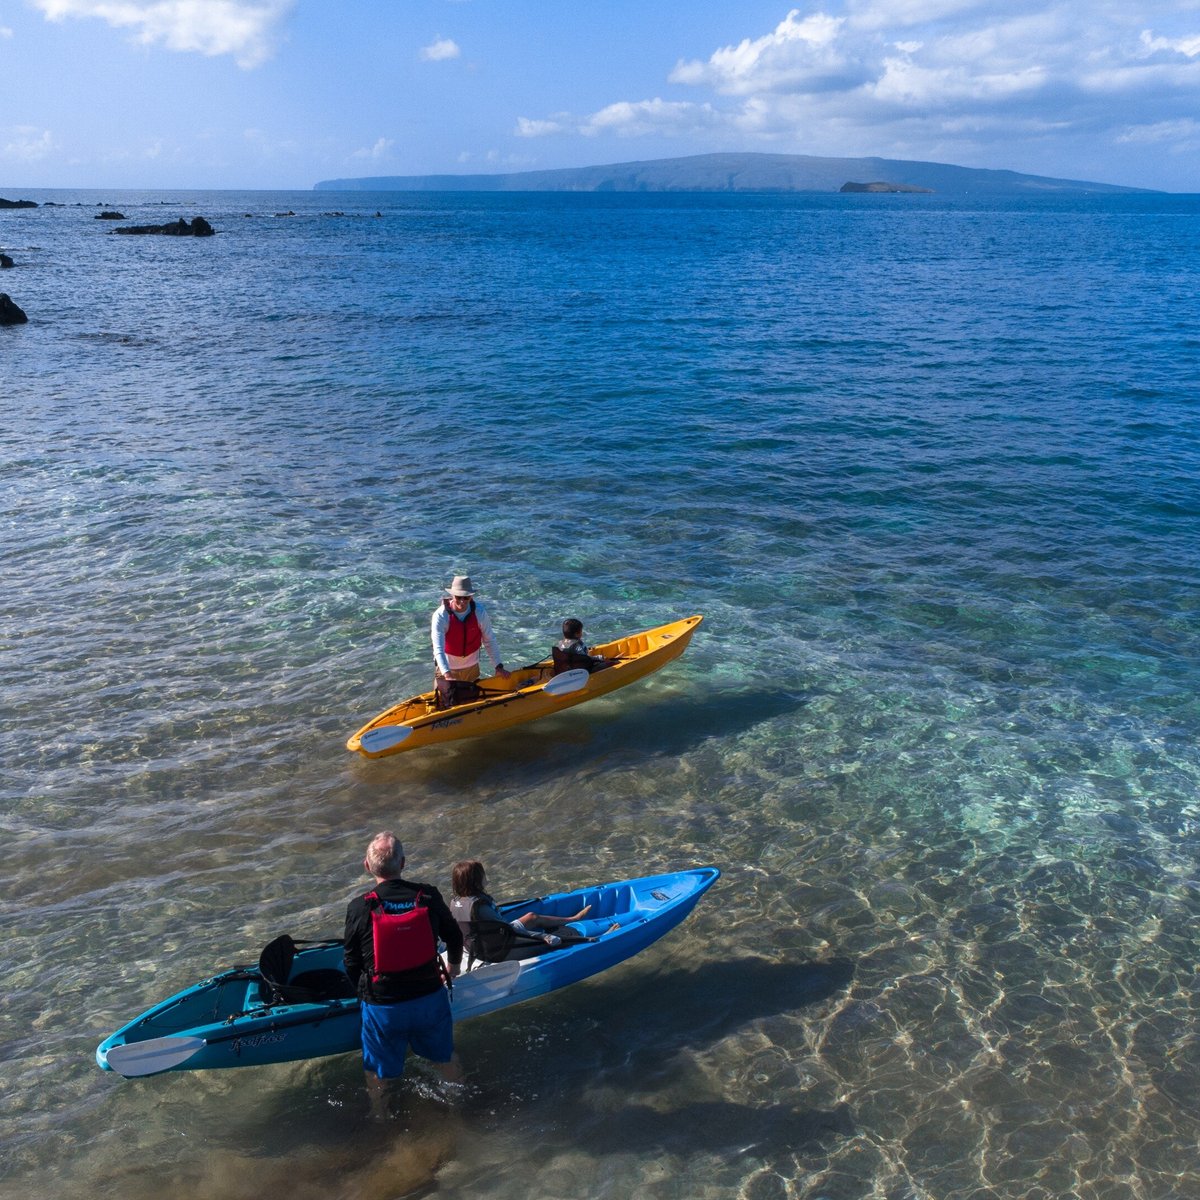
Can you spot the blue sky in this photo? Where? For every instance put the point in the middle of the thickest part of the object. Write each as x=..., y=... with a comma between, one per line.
x=282, y=93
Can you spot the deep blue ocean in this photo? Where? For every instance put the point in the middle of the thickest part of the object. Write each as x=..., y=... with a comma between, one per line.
x=930, y=469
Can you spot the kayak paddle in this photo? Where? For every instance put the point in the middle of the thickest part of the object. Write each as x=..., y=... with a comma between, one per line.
x=384, y=737
x=151, y=1057
x=567, y=682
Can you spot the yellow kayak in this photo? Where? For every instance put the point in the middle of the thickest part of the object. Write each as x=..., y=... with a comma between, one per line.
x=527, y=694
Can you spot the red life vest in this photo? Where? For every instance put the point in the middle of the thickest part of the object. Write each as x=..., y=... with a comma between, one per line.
x=401, y=941
x=463, y=637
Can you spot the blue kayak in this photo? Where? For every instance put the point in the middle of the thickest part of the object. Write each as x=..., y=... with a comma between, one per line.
x=238, y=1019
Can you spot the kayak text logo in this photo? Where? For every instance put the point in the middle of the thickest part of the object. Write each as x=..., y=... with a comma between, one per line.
x=258, y=1039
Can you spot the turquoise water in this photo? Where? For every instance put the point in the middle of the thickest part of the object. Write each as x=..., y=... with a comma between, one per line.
x=928, y=468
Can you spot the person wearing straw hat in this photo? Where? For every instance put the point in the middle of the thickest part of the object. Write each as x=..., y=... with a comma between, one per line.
x=459, y=629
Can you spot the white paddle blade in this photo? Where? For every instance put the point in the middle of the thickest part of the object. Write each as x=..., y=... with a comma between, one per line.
x=567, y=682
x=492, y=979
x=383, y=737
x=153, y=1056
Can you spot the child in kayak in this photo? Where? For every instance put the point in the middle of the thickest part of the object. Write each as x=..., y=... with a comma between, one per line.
x=483, y=925
x=571, y=653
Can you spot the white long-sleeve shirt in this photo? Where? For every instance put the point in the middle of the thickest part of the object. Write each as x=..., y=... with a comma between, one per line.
x=452, y=662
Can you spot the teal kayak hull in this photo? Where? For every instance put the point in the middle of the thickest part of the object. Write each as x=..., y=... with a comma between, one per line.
x=223, y=1022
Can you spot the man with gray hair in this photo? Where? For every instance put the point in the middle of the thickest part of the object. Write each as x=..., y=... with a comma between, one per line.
x=391, y=957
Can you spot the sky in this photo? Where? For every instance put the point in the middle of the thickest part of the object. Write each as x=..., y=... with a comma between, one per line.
x=279, y=94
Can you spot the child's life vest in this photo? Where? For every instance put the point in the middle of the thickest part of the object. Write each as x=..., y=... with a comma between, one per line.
x=402, y=941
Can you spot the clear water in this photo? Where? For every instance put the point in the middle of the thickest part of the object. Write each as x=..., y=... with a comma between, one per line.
x=929, y=469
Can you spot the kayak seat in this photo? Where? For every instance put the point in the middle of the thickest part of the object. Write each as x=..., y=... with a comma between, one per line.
x=571, y=660
x=497, y=941
x=325, y=983
x=452, y=692
x=278, y=986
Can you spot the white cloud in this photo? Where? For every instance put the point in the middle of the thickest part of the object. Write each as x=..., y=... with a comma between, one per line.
x=381, y=149
x=955, y=79
x=801, y=52
x=650, y=116
x=1184, y=132
x=27, y=143
x=528, y=128
x=245, y=29
x=440, y=50
x=905, y=84
x=630, y=119
x=902, y=14
x=496, y=158
x=1188, y=45
x=5, y=32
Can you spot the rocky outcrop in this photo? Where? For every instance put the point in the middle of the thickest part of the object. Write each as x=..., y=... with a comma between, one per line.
x=880, y=186
x=198, y=227
x=17, y=203
x=110, y=215
x=10, y=314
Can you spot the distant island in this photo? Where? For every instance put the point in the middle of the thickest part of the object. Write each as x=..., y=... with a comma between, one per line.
x=742, y=173
x=880, y=186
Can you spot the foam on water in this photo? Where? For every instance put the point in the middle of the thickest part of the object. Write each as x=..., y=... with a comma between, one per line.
x=928, y=469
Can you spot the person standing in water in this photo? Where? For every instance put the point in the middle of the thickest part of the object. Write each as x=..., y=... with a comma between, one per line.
x=391, y=957
x=460, y=628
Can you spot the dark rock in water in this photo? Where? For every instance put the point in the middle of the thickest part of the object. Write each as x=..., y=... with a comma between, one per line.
x=5, y=261
x=289, y=213
x=1119, y=823
x=198, y=227
x=880, y=186
x=17, y=203
x=10, y=314
x=110, y=215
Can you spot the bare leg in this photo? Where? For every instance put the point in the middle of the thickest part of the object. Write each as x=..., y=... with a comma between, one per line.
x=377, y=1091
x=570, y=934
x=451, y=1071
x=532, y=920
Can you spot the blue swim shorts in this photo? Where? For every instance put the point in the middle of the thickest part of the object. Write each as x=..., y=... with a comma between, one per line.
x=388, y=1030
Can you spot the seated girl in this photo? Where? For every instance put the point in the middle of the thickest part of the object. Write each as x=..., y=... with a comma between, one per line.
x=489, y=935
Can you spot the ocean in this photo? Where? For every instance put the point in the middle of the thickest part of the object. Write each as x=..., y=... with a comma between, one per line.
x=929, y=469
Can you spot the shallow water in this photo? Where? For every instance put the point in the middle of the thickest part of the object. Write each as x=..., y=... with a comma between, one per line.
x=929, y=469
